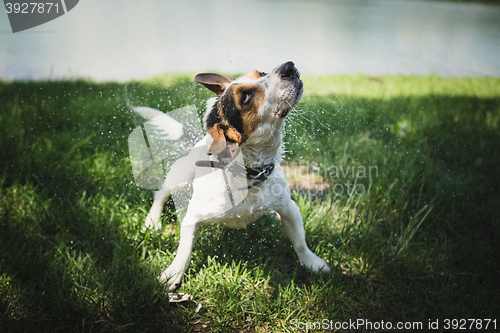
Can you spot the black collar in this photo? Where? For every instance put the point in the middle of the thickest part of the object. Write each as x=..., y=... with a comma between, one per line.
x=258, y=174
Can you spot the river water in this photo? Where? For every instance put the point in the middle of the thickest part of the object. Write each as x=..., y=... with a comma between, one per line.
x=129, y=39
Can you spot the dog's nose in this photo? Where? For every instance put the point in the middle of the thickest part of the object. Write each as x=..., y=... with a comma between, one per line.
x=288, y=70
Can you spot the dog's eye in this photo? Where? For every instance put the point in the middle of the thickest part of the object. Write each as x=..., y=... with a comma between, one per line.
x=246, y=96
x=262, y=74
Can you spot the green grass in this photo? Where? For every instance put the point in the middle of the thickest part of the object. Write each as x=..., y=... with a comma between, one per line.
x=418, y=241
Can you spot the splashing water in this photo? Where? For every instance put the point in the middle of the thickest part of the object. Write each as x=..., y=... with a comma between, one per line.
x=310, y=105
x=312, y=118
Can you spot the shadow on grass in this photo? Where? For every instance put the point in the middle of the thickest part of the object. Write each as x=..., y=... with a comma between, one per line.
x=67, y=264
x=75, y=271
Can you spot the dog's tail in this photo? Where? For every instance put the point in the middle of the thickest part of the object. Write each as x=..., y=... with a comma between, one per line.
x=165, y=126
x=146, y=112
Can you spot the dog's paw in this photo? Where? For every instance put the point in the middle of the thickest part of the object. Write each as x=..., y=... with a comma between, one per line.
x=315, y=263
x=151, y=223
x=172, y=278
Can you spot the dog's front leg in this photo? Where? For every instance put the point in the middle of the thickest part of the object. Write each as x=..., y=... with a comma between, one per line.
x=175, y=272
x=181, y=172
x=292, y=222
x=153, y=218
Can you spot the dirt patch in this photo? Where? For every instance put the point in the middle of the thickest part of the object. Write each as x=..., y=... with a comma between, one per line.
x=306, y=180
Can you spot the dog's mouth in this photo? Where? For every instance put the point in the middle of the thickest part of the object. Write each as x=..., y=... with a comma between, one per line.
x=300, y=90
x=293, y=101
x=284, y=113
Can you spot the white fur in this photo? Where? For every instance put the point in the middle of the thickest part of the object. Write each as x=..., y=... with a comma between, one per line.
x=208, y=203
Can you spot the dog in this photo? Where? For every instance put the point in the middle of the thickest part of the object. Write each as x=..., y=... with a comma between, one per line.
x=235, y=169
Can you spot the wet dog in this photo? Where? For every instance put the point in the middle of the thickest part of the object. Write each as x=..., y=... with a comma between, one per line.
x=243, y=122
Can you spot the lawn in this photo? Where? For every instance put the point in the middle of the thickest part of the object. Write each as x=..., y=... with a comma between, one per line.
x=411, y=222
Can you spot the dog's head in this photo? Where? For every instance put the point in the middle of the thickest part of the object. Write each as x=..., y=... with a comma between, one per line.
x=243, y=104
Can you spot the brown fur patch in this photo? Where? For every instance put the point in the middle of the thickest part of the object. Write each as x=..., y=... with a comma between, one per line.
x=220, y=146
x=217, y=133
x=253, y=75
x=249, y=112
x=233, y=135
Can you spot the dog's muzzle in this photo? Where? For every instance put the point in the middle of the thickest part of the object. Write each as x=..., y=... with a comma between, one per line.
x=288, y=73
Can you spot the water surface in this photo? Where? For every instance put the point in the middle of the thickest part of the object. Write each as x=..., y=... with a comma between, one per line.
x=111, y=40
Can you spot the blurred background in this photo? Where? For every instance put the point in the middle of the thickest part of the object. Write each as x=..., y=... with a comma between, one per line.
x=111, y=40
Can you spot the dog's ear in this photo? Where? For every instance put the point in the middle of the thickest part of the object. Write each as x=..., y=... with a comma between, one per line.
x=221, y=133
x=215, y=82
